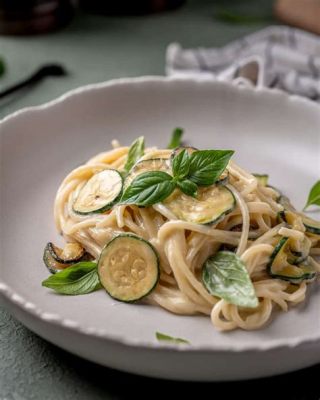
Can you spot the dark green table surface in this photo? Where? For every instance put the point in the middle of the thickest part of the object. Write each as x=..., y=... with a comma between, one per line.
x=94, y=49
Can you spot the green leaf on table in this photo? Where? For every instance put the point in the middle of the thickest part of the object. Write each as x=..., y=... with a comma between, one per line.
x=206, y=166
x=81, y=278
x=232, y=17
x=181, y=165
x=135, y=152
x=188, y=187
x=175, y=138
x=314, y=196
x=225, y=275
x=166, y=338
x=148, y=188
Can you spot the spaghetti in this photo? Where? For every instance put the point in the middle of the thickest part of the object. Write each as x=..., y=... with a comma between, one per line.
x=251, y=230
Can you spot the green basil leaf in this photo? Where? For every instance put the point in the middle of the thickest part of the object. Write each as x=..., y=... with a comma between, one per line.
x=181, y=164
x=149, y=188
x=135, y=152
x=225, y=275
x=314, y=196
x=206, y=166
x=166, y=338
x=188, y=187
x=233, y=17
x=175, y=138
x=81, y=278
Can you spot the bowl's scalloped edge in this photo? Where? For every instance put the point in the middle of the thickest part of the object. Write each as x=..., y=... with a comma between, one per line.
x=157, y=79
x=72, y=325
x=31, y=308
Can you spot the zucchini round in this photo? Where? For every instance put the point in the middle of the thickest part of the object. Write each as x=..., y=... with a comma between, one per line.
x=299, y=250
x=100, y=193
x=262, y=179
x=294, y=220
x=128, y=268
x=282, y=264
x=163, y=154
x=285, y=202
x=311, y=225
x=57, y=259
x=210, y=205
x=287, y=216
x=152, y=164
x=178, y=150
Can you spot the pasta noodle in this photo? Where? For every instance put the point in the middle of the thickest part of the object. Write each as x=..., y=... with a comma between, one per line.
x=250, y=229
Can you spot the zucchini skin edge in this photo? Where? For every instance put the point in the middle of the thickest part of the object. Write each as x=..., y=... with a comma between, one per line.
x=157, y=260
x=108, y=206
x=275, y=252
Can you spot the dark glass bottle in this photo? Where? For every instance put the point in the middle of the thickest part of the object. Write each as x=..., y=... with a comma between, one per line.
x=128, y=7
x=19, y=17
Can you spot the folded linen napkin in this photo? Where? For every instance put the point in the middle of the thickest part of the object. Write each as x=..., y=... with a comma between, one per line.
x=279, y=56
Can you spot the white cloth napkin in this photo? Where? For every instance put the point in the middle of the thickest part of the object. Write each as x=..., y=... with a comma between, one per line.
x=279, y=56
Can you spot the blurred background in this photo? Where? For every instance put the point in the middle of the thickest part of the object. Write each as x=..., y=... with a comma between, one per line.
x=96, y=40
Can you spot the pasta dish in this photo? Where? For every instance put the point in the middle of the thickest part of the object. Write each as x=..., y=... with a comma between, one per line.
x=184, y=229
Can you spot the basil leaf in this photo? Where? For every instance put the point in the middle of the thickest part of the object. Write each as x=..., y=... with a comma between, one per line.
x=314, y=196
x=135, y=152
x=175, y=138
x=181, y=165
x=188, y=187
x=149, y=188
x=81, y=278
x=225, y=275
x=232, y=17
x=166, y=338
x=207, y=165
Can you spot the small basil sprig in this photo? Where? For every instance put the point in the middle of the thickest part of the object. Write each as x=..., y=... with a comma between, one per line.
x=201, y=168
x=314, y=196
x=181, y=165
x=81, y=278
x=206, y=166
x=149, y=188
x=188, y=187
x=166, y=338
x=224, y=275
x=175, y=138
x=135, y=152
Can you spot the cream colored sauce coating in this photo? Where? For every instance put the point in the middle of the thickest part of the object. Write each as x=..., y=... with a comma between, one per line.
x=128, y=268
x=71, y=250
x=100, y=190
x=209, y=204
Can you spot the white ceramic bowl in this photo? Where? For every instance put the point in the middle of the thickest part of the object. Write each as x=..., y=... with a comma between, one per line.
x=271, y=132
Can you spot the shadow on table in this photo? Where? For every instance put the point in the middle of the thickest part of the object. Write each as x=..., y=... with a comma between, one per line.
x=300, y=385
x=31, y=368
